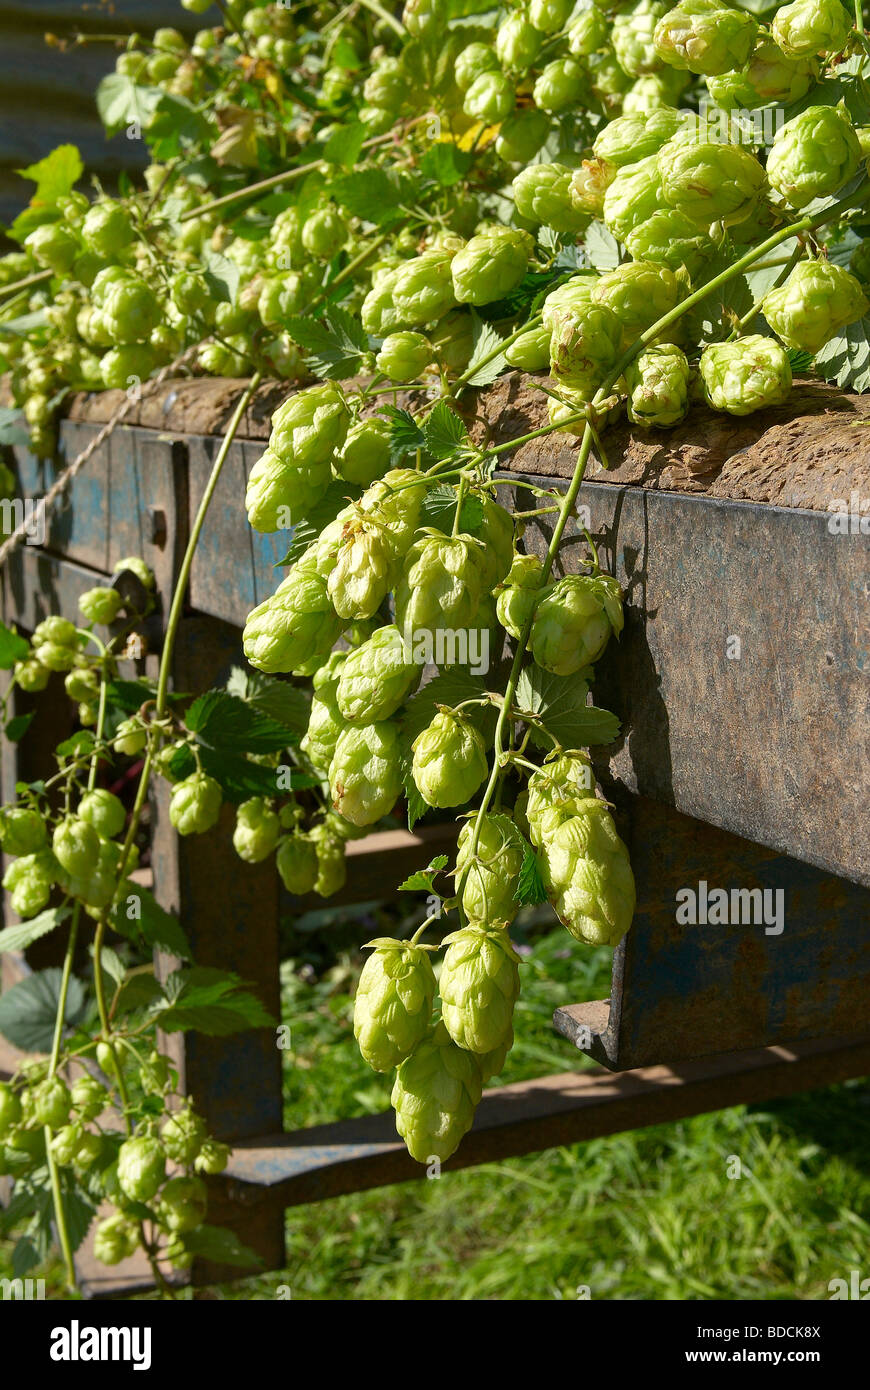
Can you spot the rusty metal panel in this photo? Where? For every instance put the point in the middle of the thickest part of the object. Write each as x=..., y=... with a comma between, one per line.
x=234, y=566
x=742, y=678
x=682, y=990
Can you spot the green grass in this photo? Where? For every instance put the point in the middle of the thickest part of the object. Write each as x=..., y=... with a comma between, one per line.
x=650, y=1214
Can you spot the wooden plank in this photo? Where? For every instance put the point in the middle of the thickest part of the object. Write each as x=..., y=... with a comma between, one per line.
x=769, y=743
x=354, y=1155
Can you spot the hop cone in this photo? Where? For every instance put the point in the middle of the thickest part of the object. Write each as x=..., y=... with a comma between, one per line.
x=296, y=624
x=574, y=294
x=587, y=875
x=561, y=781
x=395, y=503
x=815, y=302
x=479, y=984
x=294, y=472
x=708, y=182
x=423, y=289
x=542, y=193
x=434, y=1096
x=365, y=775
x=633, y=196
x=669, y=238
x=491, y=265
x=574, y=621
x=256, y=832
x=296, y=862
x=518, y=594
x=632, y=35
x=366, y=452
x=813, y=156
x=658, y=387
x=325, y=721
x=585, y=343
x=493, y=875
x=705, y=37
x=331, y=860
x=362, y=575
x=809, y=27
x=746, y=375
x=768, y=76
x=449, y=760
x=441, y=584
x=393, y=1002
x=376, y=678
x=638, y=294
x=492, y=1062
x=629, y=139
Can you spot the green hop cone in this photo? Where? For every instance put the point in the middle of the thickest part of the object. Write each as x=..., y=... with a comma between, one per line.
x=629, y=139
x=768, y=76
x=517, y=42
x=441, y=583
x=22, y=830
x=141, y=1168
x=562, y=781
x=365, y=775
x=295, y=625
x=376, y=678
x=809, y=27
x=639, y=294
x=632, y=197
x=704, y=37
x=393, y=1003
x=745, y=375
x=331, y=855
x=256, y=832
x=492, y=1063
x=378, y=312
x=449, y=762
x=658, y=387
x=562, y=84
x=65, y=1144
x=521, y=135
x=296, y=862
x=101, y=605
x=584, y=345
x=183, y=1204
x=55, y=632
x=518, y=594
x=473, y=61
x=588, y=33
x=576, y=293
x=295, y=471
x=708, y=182
x=10, y=1109
x=531, y=351
x=589, y=183
x=89, y=1097
x=479, y=984
x=434, y=1096
x=362, y=564
x=51, y=1103
x=859, y=266
x=669, y=238
x=195, y=804
x=29, y=881
x=82, y=684
x=324, y=233
x=212, y=1158
x=425, y=19
x=116, y=1238
x=573, y=622
x=421, y=292
x=130, y=311
x=404, y=356
x=325, y=721
x=386, y=85
x=182, y=1136
x=76, y=846
x=587, y=875
x=542, y=194
x=816, y=301
x=632, y=36
x=31, y=675
x=549, y=16
x=104, y=812
x=813, y=156
x=394, y=503
x=365, y=454
x=491, y=265
x=89, y=1151
x=493, y=874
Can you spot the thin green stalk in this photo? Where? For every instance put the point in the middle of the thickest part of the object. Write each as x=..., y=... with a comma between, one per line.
x=788, y=263
x=36, y=279
x=385, y=16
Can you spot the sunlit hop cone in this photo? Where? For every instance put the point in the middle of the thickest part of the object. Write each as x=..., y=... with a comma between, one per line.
x=658, y=386
x=479, y=984
x=393, y=1004
x=573, y=622
x=493, y=874
x=561, y=780
x=376, y=678
x=441, y=584
x=365, y=775
x=817, y=300
x=297, y=623
x=587, y=875
x=746, y=375
x=434, y=1096
x=449, y=760
x=294, y=472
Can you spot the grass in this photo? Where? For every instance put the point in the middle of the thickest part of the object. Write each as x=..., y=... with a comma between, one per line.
x=649, y=1214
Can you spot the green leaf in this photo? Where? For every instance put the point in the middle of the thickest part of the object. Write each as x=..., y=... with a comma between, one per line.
x=130, y=696
x=449, y=688
x=28, y=1009
x=226, y=722
x=25, y=324
x=334, y=345
x=530, y=887
x=110, y=964
x=54, y=175
x=82, y=741
x=18, y=726
x=222, y=274
x=12, y=648
x=845, y=359
x=344, y=145
x=221, y=1246
x=157, y=926
x=602, y=249
x=141, y=990
x=406, y=437
x=485, y=340
x=173, y=123
x=211, y=1001
x=120, y=102
x=417, y=803
x=439, y=509
x=337, y=496
x=445, y=163
x=559, y=704
x=421, y=882
x=23, y=934
x=443, y=431
x=289, y=704
x=372, y=196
